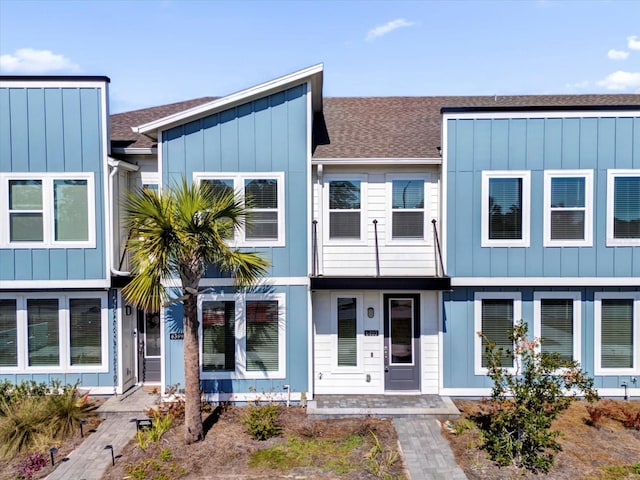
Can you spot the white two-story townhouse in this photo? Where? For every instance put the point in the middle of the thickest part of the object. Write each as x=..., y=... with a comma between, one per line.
x=377, y=276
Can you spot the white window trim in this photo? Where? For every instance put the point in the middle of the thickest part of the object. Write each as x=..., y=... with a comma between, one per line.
x=597, y=321
x=241, y=371
x=426, y=228
x=587, y=240
x=477, y=324
x=48, y=213
x=64, y=343
x=363, y=179
x=611, y=175
x=359, y=331
x=525, y=175
x=576, y=297
x=238, y=187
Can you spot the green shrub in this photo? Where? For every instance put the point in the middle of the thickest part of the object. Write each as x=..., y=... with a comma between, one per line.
x=161, y=423
x=23, y=426
x=66, y=409
x=518, y=430
x=263, y=421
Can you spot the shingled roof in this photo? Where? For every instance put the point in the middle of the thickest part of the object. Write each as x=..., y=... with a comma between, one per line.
x=123, y=137
x=410, y=127
x=377, y=127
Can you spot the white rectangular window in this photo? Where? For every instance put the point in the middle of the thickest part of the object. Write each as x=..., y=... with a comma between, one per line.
x=345, y=209
x=47, y=210
x=623, y=207
x=617, y=337
x=495, y=315
x=218, y=336
x=8, y=333
x=505, y=208
x=568, y=208
x=347, y=319
x=51, y=333
x=263, y=195
x=557, y=318
x=243, y=336
x=407, y=209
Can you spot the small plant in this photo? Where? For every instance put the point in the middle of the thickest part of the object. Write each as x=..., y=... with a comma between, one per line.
x=631, y=419
x=596, y=412
x=381, y=459
x=31, y=465
x=165, y=455
x=636, y=468
x=165, y=469
x=462, y=425
x=263, y=421
x=161, y=423
x=518, y=430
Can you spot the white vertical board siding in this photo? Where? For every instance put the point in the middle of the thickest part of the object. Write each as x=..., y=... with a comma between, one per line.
x=396, y=258
x=429, y=354
x=329, y=379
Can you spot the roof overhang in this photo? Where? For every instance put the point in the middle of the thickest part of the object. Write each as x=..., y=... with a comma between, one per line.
x=380, y=283
x=376, y=161
x=312, y=75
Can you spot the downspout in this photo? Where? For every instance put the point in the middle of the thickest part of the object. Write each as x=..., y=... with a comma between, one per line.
x=115, y=167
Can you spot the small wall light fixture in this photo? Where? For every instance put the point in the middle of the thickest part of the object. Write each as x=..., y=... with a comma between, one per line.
x=370, y=312
x=113, y=459
x=127, y=310
x=52, y=452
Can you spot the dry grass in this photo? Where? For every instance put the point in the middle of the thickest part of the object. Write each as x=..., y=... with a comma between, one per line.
x=587, y=450
x=227, y=449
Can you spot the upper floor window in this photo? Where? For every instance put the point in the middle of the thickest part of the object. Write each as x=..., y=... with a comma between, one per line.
x=47, y=210
x=345, y=207
x=617, y=323
x=568, y=208
x=556, y=317
x=623, y=207
x=505, y=208
x=495, y=315
x=408, y=209
x=264, y=199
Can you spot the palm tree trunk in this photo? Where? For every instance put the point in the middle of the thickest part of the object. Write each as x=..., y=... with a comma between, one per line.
x=193, y=431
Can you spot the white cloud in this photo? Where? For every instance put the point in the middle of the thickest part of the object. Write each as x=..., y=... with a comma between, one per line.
x=30, y=60
x=621, y=80
x=387, y=27
x=617, y=54
x=633, y=43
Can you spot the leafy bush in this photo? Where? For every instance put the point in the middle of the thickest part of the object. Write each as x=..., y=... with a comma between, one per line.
x=596, y=412
x=34, y=415
x=263, y=421
x=31, y=465
x=518, y=430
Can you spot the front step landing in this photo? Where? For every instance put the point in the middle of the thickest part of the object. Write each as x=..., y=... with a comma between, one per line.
x=381, y=406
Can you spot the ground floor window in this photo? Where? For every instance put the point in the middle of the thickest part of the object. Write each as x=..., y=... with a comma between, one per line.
x=557, y=323
x=617, y=324
x=242, y=335
x=54, y=332
x=495, y=315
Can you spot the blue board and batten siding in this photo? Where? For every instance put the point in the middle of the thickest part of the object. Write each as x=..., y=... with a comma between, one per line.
x=45, y=130
x=269, y=134
x=534, y=144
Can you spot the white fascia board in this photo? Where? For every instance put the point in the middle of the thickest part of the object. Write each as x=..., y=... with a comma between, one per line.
x=570, y=112
x=124, y=165
x=72, y=83
x=312, y=74
x=544, y=281
x=377, y=161
x=55, y=284
x=135, y=151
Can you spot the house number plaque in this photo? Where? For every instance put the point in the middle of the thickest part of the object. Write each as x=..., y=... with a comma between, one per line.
x=371, y=333
x=176, y=336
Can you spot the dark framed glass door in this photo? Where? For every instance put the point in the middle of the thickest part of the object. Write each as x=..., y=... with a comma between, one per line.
x=402, y=341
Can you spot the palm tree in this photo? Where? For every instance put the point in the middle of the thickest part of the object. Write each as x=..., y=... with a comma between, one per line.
x=177, y=234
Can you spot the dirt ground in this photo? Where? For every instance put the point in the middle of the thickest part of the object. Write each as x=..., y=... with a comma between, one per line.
x=226, y=449
x=585, y=448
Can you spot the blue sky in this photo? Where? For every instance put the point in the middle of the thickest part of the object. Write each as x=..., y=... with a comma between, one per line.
x=164, y=51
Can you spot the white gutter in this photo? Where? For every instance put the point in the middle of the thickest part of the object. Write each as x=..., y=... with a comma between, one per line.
x=115, y=165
